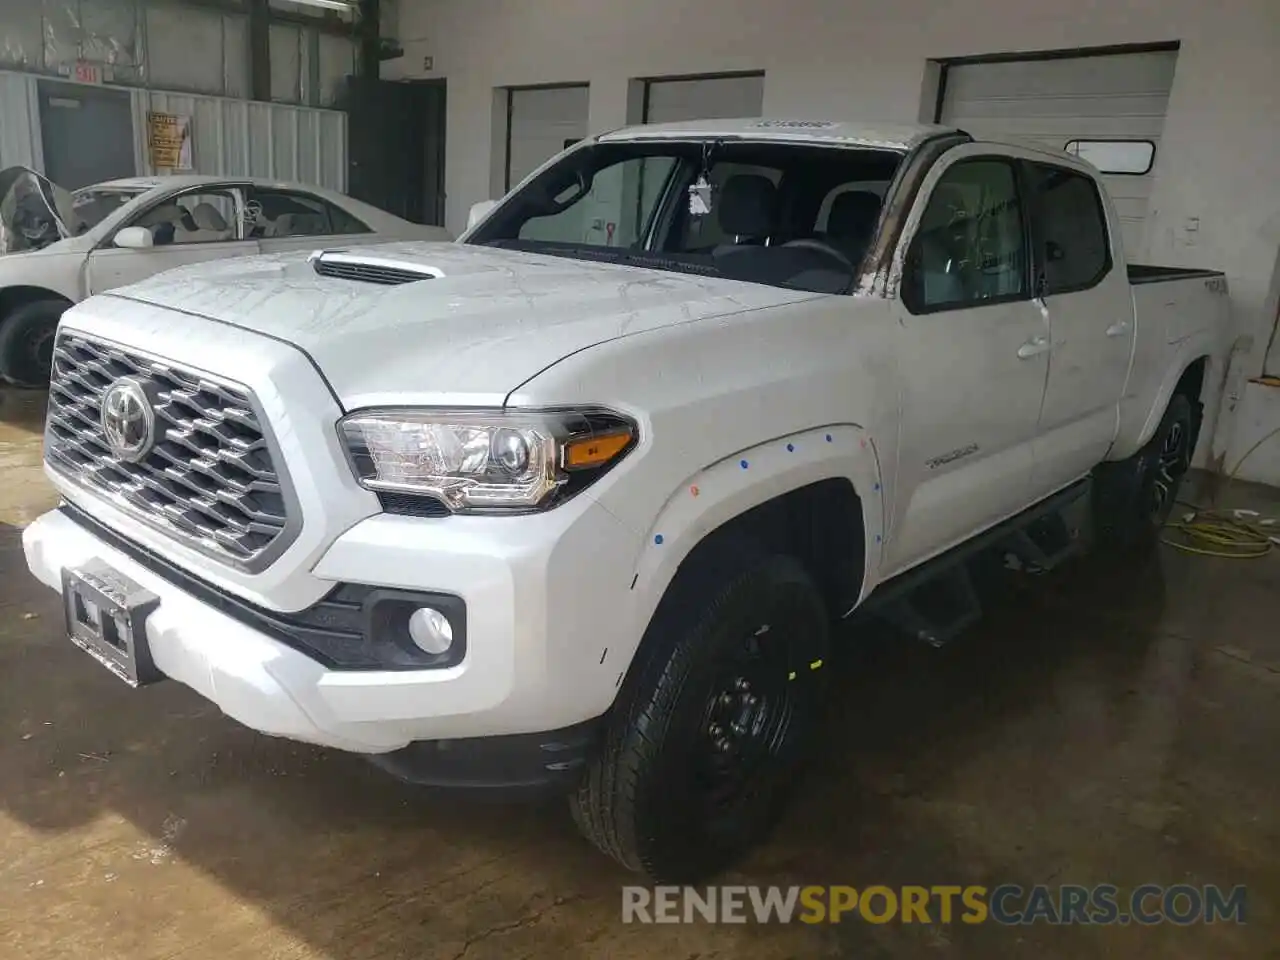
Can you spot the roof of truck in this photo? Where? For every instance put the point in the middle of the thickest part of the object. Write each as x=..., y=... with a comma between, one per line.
x=889, y=136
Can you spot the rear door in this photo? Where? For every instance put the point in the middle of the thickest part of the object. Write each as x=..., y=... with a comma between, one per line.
x=202, y=224
x=1091, y=320
x=973, y=348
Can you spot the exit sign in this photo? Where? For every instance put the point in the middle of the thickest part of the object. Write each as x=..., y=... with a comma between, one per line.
x=87, y=72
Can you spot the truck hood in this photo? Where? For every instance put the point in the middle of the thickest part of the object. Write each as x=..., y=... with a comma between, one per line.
x=480, y=323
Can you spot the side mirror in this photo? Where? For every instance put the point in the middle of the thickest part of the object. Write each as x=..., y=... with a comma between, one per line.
x=479, y=211
x=134, y=238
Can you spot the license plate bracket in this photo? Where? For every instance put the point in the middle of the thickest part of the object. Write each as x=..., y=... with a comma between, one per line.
x=106, y=616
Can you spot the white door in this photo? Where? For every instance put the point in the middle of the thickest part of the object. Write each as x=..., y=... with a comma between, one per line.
x=703, y=98
x=1090, y=307
x=974, y=355
x=1120, y=96
x=192, y=227
x=541, y=122
x=285, y=220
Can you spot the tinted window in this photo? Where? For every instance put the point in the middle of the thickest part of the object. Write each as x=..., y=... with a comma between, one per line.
x=970, y=246
x=1073, y=228
x=277, y=214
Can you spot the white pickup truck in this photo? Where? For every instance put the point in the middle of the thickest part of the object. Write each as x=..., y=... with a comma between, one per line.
x=574, y=501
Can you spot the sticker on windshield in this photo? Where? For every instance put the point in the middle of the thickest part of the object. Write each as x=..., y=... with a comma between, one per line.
x=795, y=124
x=700, y=197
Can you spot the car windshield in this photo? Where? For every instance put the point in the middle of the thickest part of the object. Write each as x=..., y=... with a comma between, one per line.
x=92, y=205
x=791, y=215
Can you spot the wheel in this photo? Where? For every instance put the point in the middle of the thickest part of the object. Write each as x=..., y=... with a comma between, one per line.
x=1133, y=498
x=714, y=721
x=26, y=342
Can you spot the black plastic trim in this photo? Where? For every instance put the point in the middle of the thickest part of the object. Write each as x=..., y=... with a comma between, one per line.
x=331, y=631
x=1149, y=273
x=518, y=765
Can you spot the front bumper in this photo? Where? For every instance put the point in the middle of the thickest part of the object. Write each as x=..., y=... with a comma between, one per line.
x=506, y=686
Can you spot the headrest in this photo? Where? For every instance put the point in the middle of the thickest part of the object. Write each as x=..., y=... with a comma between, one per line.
x=746, y=205
x=853, y=215
x=207, y=217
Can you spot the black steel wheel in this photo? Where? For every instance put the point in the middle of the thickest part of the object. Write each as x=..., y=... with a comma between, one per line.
x=714, y=721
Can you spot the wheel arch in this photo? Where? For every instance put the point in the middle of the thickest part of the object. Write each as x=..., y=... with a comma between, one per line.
x=16, y=295
x=1189, y=373
x=815, y=495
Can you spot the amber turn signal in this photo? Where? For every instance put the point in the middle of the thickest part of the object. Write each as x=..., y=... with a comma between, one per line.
x=595, y=451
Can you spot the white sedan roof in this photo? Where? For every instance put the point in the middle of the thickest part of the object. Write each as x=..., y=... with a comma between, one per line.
x=187, y=180
x=889, y=136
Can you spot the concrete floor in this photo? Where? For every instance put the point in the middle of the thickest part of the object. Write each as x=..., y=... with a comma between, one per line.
x=1105, y=724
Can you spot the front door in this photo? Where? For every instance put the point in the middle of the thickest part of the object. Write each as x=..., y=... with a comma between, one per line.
x=974, y=356
x=193, y=227
x=1091, y=318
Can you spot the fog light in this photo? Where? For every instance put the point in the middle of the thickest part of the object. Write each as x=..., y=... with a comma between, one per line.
x=430, y=630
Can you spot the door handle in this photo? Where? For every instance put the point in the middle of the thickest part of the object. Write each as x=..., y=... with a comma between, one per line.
x=1118, y=329
x=1033, y=348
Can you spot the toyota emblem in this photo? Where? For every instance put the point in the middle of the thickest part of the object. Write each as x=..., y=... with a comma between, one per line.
x=128, y=420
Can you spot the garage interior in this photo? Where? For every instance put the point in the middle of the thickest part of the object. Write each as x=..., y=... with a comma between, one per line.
x=1109, y=723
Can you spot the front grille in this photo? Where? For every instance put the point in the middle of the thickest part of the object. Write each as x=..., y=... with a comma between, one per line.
x=209, y=480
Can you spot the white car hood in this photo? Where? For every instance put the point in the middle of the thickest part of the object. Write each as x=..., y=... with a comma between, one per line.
x=489, y=322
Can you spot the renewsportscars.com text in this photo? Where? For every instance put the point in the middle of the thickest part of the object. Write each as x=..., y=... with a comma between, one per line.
x=1007, y=904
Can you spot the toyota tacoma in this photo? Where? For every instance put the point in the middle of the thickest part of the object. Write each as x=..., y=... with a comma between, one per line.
x=573, y=503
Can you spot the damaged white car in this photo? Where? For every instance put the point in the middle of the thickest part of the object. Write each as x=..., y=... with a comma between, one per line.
x=61, y=247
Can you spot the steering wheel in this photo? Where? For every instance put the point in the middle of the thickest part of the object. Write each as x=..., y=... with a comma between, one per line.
x=818, y=246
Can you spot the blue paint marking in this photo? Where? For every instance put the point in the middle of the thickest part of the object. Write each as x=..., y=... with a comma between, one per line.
x=829, y=438
x=877, y=538
x=658, y=539
x=791, y=448
x=744, y=464
x=877, y=486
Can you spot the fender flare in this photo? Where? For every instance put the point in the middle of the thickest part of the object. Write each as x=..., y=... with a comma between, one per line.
x=1188, y=352
x=717, y=493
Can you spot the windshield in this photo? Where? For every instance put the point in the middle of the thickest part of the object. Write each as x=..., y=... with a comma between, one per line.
x=777, y=213
x=92, y=205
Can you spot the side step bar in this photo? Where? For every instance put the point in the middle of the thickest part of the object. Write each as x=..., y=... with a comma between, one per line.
x=937, y=601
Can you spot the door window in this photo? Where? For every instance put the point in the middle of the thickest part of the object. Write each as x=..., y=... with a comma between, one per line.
x=1073, y=228
x=277, y=214
x=205, y=216
x=970, y=247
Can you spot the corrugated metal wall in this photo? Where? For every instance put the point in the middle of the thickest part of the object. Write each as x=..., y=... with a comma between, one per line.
x=238, y=138
x=20, y=140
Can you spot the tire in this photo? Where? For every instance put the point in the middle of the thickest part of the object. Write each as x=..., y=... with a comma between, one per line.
x=714, y=720
x=26, y=342
x=1133, y=498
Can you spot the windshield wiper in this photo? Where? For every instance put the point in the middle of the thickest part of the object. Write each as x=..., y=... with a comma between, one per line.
x=652, y=261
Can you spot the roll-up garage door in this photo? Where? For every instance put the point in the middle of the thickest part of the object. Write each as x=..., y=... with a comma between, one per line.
x=704, y=98
x=540, y=122
x=1120, y=96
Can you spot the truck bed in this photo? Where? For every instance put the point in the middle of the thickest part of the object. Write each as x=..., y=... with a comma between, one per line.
x=1182, y=301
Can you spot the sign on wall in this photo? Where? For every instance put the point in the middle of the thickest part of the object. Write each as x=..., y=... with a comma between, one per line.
x=169, y=141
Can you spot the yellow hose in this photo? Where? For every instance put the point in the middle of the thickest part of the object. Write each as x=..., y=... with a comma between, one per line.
x=1226, y=534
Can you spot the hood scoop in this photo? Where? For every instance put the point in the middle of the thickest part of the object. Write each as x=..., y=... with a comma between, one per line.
x=370, y=269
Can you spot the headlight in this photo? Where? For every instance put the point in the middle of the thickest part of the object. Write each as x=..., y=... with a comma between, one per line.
x=485, y=460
